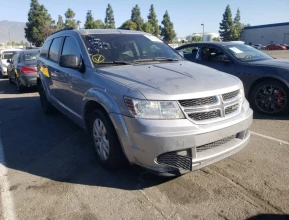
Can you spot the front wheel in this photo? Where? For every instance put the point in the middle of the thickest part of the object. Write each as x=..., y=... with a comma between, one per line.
x=105, y=141
x=270, y=97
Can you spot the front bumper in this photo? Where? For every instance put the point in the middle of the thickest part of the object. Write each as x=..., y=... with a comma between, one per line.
x=147, y=142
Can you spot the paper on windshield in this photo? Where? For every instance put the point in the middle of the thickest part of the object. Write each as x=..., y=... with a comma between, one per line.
x=236, y=50
x=153, y=38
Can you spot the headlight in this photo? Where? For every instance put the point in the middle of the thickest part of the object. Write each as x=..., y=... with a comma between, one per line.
x=154, y=109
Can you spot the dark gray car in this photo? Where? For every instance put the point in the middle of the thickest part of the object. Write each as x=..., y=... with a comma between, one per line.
x=265, y=79
x=22, y=69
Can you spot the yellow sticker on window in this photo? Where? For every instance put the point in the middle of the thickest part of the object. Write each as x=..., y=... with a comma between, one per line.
x=97, y=58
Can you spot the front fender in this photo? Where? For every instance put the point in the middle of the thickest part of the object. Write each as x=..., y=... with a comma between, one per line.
x=101, y=97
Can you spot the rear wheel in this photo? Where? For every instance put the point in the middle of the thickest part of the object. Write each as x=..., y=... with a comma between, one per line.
x=105, y=141
x=20, y=88
x=270, y=97
x=47, y=107
x=10, y=81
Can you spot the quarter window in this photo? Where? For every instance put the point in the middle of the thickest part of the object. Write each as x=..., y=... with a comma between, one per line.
x=45, y=48
x=54, y=49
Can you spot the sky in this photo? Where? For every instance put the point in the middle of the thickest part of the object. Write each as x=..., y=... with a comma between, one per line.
x=186, y=15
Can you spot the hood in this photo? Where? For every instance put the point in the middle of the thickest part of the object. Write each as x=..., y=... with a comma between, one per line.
x=172, y=81
x=283, y=64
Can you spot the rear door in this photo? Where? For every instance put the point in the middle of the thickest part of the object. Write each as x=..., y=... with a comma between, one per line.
x=51, y=63
x=216, y=58
x=12, y=68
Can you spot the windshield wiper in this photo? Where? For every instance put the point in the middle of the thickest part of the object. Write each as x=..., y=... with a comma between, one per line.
x=156, y=59
x=116, y=62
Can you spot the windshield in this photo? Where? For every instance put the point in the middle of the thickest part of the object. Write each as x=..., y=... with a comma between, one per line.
x=246, y=53
x=7, y=55
x=127, y=48
x=30, y=56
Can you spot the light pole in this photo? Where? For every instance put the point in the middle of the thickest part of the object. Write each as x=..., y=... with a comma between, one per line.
x=203, y=31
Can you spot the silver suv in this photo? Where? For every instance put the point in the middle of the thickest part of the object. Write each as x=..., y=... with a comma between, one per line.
x=141, y=102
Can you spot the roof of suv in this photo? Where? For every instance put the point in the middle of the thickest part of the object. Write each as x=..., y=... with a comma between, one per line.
x=101, y=31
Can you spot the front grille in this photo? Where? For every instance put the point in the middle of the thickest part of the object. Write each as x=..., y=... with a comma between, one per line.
x=215, y=144
x=231, y=109
x=230, y=95
x=175, y=160
x=199, y=101
x=200, y=116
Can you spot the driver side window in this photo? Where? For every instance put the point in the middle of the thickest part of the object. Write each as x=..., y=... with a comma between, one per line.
x=212, y=54
x=190, y=53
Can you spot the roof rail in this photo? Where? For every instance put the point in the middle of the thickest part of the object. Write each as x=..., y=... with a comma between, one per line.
x=64, y=29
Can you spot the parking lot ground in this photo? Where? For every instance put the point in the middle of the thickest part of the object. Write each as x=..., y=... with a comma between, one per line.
x=52, y=173
x=280, y=54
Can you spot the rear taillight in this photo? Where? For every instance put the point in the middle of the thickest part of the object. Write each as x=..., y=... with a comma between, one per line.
x=27, y=70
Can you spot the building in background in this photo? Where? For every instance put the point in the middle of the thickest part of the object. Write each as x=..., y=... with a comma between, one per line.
x=266, y=34
x=209, y=36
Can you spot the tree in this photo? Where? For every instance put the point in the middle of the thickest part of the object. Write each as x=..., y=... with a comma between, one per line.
x=38, y=18
x=99, y=24
x=152, y=19
x=168, y=31
x=60, y=23
x=147, y=27
x=89, y=22
x=237, y=26
x=128, y=25
x=136, y=18
x=216, y=39
x=70, y=22
x=226, y=26
x=109, y=18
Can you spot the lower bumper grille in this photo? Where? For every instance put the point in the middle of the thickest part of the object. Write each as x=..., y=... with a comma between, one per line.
x=200, y=116
x=175, y=160
x=215, y=144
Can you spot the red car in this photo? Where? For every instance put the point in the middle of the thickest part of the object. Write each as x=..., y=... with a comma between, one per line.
x=275, y=47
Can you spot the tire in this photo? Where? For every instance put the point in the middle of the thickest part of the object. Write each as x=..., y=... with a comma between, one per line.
x=113, y=157
x=47, y=107
x=10, y=81
x=19, y=87
x=266, y=101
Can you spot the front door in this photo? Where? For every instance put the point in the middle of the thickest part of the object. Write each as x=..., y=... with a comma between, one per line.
x=216, y=58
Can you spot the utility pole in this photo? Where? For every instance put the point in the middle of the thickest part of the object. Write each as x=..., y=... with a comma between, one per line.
x=203, y=31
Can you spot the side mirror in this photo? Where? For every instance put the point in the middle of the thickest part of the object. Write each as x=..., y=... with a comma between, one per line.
x=180, y=52
x=69, y=61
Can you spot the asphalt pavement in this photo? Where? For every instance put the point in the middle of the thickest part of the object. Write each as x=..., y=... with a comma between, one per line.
x=48, y=170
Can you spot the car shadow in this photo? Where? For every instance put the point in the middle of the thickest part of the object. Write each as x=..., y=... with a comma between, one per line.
x=7, y=88
x=54, y=147
x=269, y=217
x=268, y=117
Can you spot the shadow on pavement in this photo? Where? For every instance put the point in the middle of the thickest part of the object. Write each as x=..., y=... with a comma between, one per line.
x=54, y=147
x=268, y=117
x=269, y=217
x=7, y=88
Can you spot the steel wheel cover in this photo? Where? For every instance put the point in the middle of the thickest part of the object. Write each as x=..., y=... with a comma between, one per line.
x=101, y=142
x=271, y=98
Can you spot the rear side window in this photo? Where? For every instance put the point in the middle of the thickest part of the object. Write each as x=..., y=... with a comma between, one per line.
x=54, y=49
x=45, y=48
x=70, y=47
